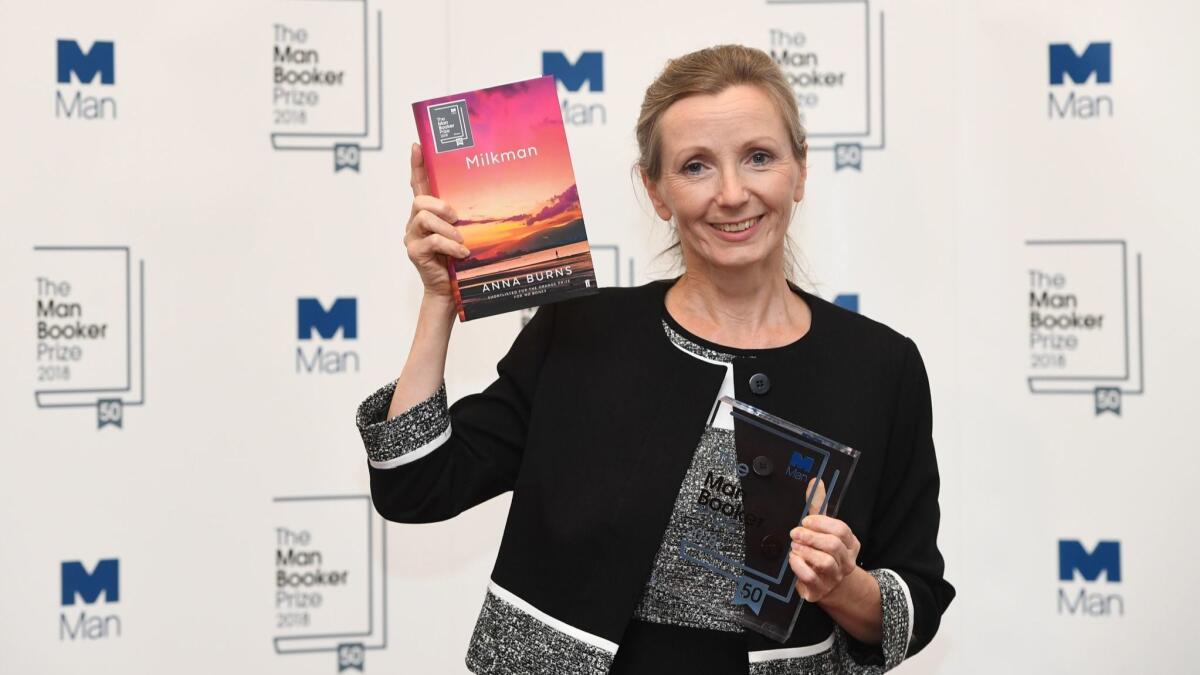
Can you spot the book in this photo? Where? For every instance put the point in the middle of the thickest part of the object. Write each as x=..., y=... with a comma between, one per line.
x=499, y=157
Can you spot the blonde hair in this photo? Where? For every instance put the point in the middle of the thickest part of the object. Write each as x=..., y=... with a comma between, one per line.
x=711, y=71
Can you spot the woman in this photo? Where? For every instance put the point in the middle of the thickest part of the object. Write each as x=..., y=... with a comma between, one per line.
x=599, y=421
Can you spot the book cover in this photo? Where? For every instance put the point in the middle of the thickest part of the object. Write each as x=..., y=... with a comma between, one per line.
x=499, y=157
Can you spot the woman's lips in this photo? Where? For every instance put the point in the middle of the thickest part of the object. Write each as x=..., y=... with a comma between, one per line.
x=736, y=230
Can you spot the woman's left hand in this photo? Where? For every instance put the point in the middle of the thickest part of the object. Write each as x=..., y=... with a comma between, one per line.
x=824, y=552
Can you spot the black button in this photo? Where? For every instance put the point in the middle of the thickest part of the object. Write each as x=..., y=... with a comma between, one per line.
x=772, y=545
x=759, y=383
x=763, y=465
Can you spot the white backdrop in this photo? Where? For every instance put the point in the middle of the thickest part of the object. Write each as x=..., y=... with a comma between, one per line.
x=171, y=410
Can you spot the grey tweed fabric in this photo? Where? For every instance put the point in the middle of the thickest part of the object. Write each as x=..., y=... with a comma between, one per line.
x=681, y=592
x=387, y=439
x=508, y=641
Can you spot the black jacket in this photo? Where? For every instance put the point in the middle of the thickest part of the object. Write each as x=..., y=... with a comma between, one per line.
x=592, y=423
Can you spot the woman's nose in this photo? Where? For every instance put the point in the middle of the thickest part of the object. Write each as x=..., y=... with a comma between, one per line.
x=733, y=191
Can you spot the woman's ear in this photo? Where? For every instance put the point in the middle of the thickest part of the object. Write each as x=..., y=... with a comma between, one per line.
x=660, y=206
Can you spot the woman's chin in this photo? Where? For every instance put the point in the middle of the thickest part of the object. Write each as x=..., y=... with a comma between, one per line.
x=737, y=261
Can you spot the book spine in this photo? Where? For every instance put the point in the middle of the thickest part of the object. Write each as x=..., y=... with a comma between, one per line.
x=428, y=156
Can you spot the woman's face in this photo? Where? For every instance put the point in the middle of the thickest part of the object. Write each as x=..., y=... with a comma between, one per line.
x=729, y=178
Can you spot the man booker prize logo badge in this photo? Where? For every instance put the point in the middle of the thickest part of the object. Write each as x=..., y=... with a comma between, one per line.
x=330, y=580
x=90, y=330
x=450, y=125
x=1085, y=320
x=322, y=52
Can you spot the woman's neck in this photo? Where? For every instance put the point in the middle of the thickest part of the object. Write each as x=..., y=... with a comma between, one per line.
x=740, y=310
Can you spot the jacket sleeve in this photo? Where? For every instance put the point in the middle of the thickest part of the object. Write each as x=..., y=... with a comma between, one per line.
x=902, y=552
x=430, y=462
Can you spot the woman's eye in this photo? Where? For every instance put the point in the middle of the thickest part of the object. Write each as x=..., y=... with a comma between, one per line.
x=760, y=157
x=692, y=168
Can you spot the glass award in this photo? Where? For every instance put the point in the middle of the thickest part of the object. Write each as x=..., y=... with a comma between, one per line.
x=724, y=560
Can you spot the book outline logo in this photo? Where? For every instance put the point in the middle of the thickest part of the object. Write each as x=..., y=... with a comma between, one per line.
x=312, y=569
x=294, y=100
x=66, y=341
x=450, y=125
x=1060, y=331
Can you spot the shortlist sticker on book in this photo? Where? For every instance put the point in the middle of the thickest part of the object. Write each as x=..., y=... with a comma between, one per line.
x=499, y=156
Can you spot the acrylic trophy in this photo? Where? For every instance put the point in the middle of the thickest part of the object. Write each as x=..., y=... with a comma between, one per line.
x=765, y=476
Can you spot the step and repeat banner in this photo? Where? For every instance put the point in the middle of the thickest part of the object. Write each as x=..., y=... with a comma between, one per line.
x=203, y=208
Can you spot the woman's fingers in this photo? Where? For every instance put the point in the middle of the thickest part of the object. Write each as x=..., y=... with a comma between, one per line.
x=828, y=543
x=426, y=223
x=419, y=179
x=800, y=567
x=809, y=583
x=831, y=526
x=436, y=244
x=824, y=564
x=433, y=205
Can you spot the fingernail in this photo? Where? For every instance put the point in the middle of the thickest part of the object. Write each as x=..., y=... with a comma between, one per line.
x=795, y=547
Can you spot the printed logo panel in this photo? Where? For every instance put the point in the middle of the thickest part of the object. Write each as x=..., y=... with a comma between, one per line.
x=327, y=80
x=90, y=330
x=330, y=581
x=451, y=126
x=1085, y=320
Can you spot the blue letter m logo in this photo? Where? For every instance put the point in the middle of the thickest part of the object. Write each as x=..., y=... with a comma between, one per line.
x=588, y=68
x=72, y=59
x=312, y=316
x=1072, y=557
x=77, y=581
x=801, y=462
x=1097, y=58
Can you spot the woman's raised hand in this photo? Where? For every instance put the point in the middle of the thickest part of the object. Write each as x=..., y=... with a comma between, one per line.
x=429, y=236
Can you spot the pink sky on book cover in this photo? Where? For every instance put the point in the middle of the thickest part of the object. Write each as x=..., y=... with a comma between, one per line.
x=514, y=198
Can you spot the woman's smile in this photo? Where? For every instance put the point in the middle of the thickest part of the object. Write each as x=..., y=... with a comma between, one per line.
x=736, y=230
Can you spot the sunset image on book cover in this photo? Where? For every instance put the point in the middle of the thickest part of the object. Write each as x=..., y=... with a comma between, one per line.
x=499, y=157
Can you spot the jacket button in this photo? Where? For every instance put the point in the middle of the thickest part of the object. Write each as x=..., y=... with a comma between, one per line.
x=772, y=545
x=763, y=465
x=760, y=384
